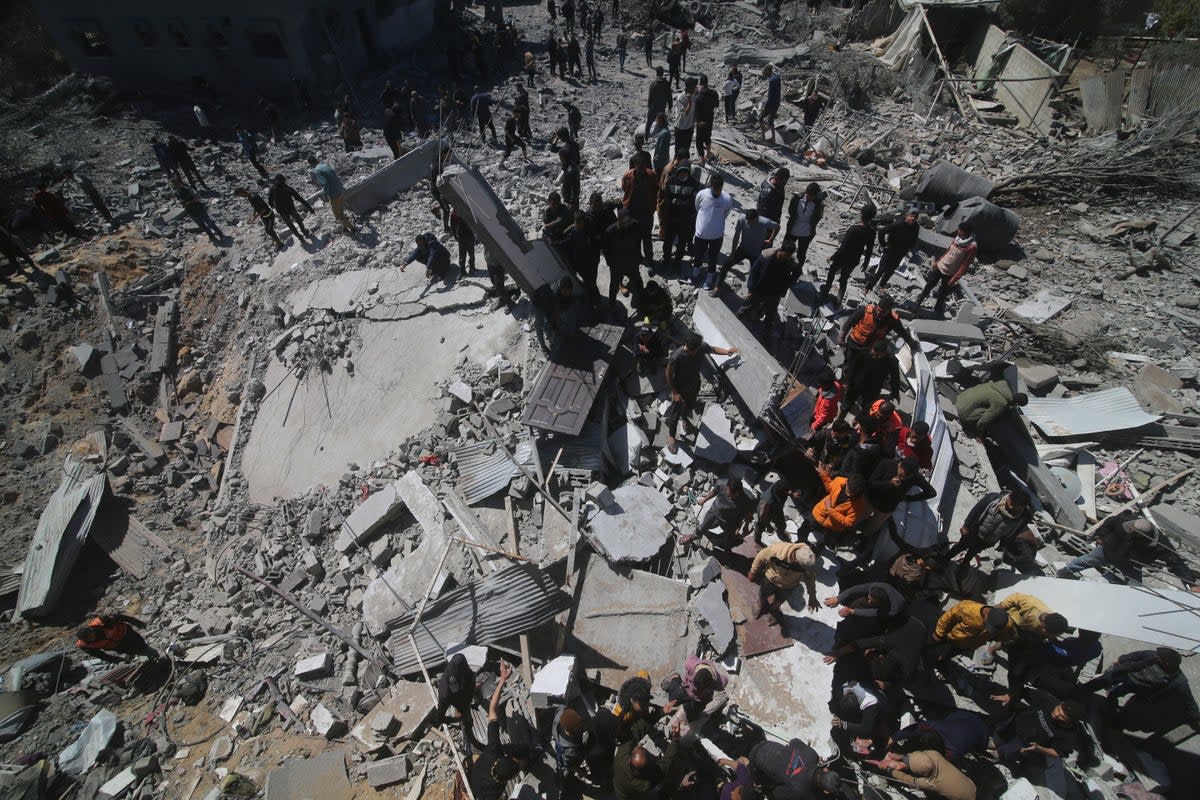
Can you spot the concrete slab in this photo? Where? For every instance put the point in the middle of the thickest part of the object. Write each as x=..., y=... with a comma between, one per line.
x=625, y=446
x=400, y=588
x=382, y=185
x=714, y=442
x=754, y=374
x=709, y=604
x=299, y=777
x=380, y=507
x=531, y=265
x=632, y=529
x=628, y=620
x=308, y=430
x=421, y=502
x=553, y=680
x=1178, y=523
x=935, y=330
x=1043, y=306
x=405, y=709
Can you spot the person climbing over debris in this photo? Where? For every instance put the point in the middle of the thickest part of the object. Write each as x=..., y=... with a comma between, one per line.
x=430, y=252
x=262, y=211
x=499, y=763
x=110, y=636
x=683, y=379
x=896, y=240
x=856, y=245
x=335, y=192
x=982, y=406
x=778, y=569
x=997, y=520
x=283, y=199
x=948, y=270
x=731, y=511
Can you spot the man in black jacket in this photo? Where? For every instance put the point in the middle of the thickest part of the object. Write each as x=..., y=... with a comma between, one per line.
x=857, y=244
x=865, y=382
x=622, y=251
x=804, y=215
x=707, y=100
x=769, y=279
x=281, y=197
x=1145, y=673
x=895, y=242
x=889, y=485
x=771, y=194
x=658, y=98
x=791, y=771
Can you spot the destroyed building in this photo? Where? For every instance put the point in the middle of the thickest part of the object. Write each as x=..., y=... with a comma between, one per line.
x=312, y=496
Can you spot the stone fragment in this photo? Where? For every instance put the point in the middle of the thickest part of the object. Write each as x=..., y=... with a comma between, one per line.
x=388, y=771
x=327, y=723
x=314, y=667
x=1040, y=378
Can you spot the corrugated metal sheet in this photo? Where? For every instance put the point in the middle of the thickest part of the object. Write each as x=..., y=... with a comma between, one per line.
x=584, y=451
x=1101, y=96
x=1109, y=410
x=62, y=530
x=1174, y=87
x=565, y=391
x=1139, y=93
x=484, y=468
x=506, y=603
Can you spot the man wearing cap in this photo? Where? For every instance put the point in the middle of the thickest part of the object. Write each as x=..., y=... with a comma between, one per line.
x=791, y=771
x=677, y=214
x=929, y=771
x=856, y=246
x=498, y=763
x=768, y=282
x=804, y=215
x=969, y=625
x=1115, y=539
x=778, y=569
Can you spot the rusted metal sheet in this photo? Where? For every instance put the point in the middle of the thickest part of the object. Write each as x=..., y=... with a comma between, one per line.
x=563, y=395
x=508, y=602
x=756, y=635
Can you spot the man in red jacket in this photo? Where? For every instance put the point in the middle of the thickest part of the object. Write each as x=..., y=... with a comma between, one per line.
x=829, y=398
x=914, y=442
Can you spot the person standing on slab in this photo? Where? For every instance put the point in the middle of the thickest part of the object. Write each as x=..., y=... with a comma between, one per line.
x=283, y=199
x=683, y=379
x=949, y=269
x=804, y=215
x=335, y=192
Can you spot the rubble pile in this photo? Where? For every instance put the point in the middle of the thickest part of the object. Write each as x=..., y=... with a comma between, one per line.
x=313, y=476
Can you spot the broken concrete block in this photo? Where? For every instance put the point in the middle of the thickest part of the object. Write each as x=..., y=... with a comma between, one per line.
x=500, y=408
x=1040, y=378
x=314, y=530
x=381, y=552
x=314, y=667
x=710, y=604
x=327, y=723
x=627, y=444
x=388, y=771
x=634, y=528
x=381, y=507
x=599, y=494
x=294, y=581
x=408, y=706
x=88, y=358
x=714, y=442
x=1043, y=306
x=119, y=784
x=1156, y=375
x=171, y=432
x=701, y=575
x=552, y=681
x=460, y=391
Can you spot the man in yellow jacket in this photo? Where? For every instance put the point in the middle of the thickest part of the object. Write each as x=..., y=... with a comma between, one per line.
x=969, y=625
x=1033, y=616
x=778, y=569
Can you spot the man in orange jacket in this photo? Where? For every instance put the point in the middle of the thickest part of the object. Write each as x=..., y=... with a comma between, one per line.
x=842, y=509
x=108, y=634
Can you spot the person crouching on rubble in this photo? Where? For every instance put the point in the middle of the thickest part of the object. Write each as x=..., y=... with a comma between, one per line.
x=731, y=511
x=430, y=252
x=982, y=406
x=778, y=569
x=791, y=771
x=839, y=513
x=108, y=635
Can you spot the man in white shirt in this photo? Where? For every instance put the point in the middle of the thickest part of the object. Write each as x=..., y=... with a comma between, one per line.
x=804, y=214
x=685, y=115
x=712, y=209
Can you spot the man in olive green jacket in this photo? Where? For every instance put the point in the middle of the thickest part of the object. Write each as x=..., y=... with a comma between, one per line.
x=981, y=406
